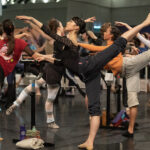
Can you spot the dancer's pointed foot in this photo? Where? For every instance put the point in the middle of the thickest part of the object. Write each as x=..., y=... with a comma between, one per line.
x=53, y=125
x=85, y=146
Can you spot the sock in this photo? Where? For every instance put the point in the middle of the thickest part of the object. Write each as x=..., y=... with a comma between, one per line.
x=22, y=96
x=50, y=120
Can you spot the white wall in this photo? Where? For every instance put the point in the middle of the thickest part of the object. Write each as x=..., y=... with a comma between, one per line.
x=129, y=3
x=42, y=12
x=130, y=15
x=85, y=10
x=104, y=3
x=0, y=8
x=128, y=11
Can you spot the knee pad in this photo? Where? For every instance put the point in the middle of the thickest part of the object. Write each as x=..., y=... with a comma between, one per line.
x=27, y=91
x=52, y=92
x=23, y=95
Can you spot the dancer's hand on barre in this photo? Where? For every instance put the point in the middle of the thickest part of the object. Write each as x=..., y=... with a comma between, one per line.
x=48, y=58
x=117, y=23
x=40, y=58
x=91, y=19
x=36, y=55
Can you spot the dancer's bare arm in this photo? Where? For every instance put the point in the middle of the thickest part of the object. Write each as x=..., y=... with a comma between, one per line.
x=131, y=33
x=139, y=36
x=35, y=21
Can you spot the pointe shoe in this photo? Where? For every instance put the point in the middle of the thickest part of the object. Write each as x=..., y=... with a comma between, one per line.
x=84, y=146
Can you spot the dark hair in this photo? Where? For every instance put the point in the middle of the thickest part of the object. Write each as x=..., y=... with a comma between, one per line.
x=104, y=27
x=115, y=32
x=145, y=35
x=53, y=25
x=8, y=28
x=137, y=41
x=81, y=23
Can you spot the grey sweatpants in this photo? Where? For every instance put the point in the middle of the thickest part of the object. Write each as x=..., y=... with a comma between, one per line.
x=131, y=68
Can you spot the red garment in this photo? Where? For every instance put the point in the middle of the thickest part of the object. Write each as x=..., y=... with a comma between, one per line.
x=9, y=62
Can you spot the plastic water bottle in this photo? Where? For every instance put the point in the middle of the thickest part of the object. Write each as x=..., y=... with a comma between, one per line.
x=22, y=132
x=104, y=117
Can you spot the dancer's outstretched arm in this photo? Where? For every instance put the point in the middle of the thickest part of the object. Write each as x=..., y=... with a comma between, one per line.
x=128, y=35
x=139, y=36
x=35, y=21
x=35, y=27
x=131, y=33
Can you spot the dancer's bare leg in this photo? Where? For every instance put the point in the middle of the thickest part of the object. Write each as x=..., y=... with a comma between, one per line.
x=94, y=126
x=133, y=114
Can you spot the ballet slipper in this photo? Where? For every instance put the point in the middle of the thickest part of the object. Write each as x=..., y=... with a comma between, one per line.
x=10, y=109
x=53, y=125
x=85, y=146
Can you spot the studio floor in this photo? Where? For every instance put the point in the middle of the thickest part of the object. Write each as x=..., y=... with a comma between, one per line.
x=72, y=117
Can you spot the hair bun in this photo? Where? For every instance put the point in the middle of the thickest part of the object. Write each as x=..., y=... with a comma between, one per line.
x=81, y=23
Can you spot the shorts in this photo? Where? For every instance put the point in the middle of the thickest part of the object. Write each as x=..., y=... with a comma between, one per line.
x=132, y=99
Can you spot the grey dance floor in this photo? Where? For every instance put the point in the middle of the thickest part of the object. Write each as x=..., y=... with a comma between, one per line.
x=72, y=117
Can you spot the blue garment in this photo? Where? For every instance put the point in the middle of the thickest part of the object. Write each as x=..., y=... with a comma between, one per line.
x=10, y=77
x=32, y=47
x=143, y=49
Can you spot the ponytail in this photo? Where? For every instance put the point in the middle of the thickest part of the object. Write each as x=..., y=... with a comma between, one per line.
x=8, y=28
x=11, y=44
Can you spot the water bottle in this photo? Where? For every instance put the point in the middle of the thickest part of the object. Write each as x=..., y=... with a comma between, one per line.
x=104, y=117
x=22, y=132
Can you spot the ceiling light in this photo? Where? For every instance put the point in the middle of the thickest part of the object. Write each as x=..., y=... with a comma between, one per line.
x=45, y=1
x=33, y=1
x=58, y=1
x=97, y=26
x=12, y=2
x=4, y=2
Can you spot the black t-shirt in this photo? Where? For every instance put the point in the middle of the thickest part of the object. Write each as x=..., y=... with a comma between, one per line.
x=65, y=50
